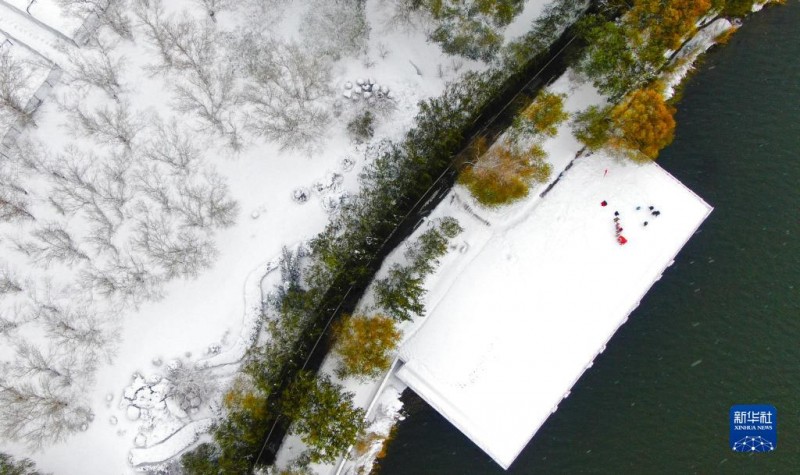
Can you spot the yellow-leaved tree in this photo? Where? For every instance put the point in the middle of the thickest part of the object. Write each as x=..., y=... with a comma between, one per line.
x=504, y=172
x=365, y=345
x=641, y=125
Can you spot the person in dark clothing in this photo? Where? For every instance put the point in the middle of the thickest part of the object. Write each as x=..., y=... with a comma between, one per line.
x=616, y=213
x=656, y=213
x=645, y=223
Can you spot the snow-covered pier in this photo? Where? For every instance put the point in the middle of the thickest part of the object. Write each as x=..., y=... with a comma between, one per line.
x=539, y=301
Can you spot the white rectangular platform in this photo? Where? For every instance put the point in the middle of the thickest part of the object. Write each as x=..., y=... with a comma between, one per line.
x=541, y=299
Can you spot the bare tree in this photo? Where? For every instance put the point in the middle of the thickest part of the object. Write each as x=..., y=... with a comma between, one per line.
x=13, y=203
x=9, y=283
x=96, y=66
x=182, y=44
x=82, y=181
x=115, y=125
x=110, y=13
x=178, y=252
x=285, y=91
x=12, y=319
x=23, y=153
x=62, y=368
x=173, y=147
x=206, y=203
x=54, y=243
x=40, y=412
x=125, y=277
x=77, y=329
x=335, y=28
x=212, y=7
x=211, y=95
x=406, y=15
x=207, y=86
x=150, y=181
x=15, y=89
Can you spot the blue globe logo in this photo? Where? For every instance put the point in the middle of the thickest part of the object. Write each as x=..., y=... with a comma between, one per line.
x=753, y=444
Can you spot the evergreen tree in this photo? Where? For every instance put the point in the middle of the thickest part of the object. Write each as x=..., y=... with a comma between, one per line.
x=10, y=466
x=323, y=416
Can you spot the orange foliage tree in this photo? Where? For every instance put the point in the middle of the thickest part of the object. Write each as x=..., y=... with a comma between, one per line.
x=641, y=125
x=504, y=173
x=365, y=345
x=667, y=22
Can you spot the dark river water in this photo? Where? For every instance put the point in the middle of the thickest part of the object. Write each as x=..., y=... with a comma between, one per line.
x=731, y=301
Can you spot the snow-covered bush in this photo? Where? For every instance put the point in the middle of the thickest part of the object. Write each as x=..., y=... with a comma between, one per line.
x=189, y=386
x=361, y=128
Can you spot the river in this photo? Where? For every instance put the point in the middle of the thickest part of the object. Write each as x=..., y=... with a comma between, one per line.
x=720, y=328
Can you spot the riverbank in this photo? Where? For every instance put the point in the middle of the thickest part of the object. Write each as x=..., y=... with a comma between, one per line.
x=700, y=44
x=657, y=399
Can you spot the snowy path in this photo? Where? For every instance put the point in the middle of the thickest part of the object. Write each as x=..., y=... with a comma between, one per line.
x=48, y=13
x=174, y=444
x=37, y=37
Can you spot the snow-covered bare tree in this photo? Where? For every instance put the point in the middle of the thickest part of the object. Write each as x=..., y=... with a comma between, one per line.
x=75, y=327
x=172, y=146
x=9, y=282
x=15, y=89
x=149, y=180
x=206, y=87
x=110, y=13
x=212, y=7
x=83, y=181
x=285, y=92
x=22, y=155
x=96, y=66
x=182, y=44
x=14, y=204
x=127, y=278
x=40, y=412
x=210, y=94
x=115, y=125
x=52, y=242
x=62, y=368
x=206, y=203
x=335, y=28
x=177, y=252
x=12, y=318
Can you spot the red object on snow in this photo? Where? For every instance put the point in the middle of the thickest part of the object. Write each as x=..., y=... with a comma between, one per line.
x=603, y=203
x=621, y=240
